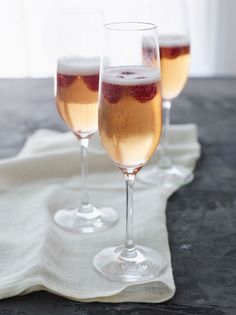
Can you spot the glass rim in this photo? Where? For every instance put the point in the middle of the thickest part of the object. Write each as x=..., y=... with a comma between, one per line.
x=143, y=26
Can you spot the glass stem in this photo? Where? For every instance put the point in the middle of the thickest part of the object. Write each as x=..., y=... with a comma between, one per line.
x=130, y=250
x=165, y=161
x=85, y=206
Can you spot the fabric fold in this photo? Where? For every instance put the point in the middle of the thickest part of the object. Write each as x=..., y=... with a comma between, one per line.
x=36, y=254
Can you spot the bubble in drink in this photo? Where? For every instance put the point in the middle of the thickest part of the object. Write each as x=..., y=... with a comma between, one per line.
x=130, y=114
x=77, y=93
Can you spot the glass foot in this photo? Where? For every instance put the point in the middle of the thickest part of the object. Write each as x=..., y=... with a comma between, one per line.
x=172, y=176
x=145, y=264
x=86, y=222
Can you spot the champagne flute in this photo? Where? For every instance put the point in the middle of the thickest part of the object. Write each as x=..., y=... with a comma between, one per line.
x=76, y=87
x=174, y=41
x=130, y=122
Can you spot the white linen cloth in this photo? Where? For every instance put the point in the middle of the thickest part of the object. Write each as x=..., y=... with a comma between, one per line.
x=36, y=254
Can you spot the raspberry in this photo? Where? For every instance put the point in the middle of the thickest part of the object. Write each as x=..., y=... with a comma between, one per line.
x=173, y=52
x=170, y=52
x=64, y=80
x=143, y=93
x=91, y=81
x=185, y=50
x=111, y=92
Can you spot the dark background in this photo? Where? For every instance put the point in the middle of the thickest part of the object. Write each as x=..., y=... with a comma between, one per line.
x=201, y=217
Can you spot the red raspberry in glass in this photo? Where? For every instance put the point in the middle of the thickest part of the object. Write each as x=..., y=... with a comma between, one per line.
x=91, y=81
x=64, y=80
x=143, y=93
x=170, y=52
x=112, y=92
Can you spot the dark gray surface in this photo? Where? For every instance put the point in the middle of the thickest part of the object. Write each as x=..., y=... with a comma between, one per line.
x=201, y=217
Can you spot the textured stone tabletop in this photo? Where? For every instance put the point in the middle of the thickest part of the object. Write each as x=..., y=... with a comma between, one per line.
x=201, y=217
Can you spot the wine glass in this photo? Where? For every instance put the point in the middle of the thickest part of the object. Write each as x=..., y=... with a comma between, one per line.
x=130, y=122
x=76, y=89
x=174, y=41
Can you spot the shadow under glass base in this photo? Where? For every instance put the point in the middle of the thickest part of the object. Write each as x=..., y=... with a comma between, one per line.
x=146, y=264
x=169, y=177
x=97, y=219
